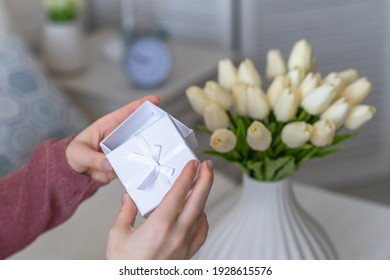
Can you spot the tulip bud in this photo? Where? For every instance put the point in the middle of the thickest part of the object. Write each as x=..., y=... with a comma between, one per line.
x=349, y=76
x=248, y=74
x=323, y=133
x=356, y=92
x=275, y=64
x=358, y=116
x=257, y=103
x=258, y=136
x=310, y=82
x=197, y=99
x=239, y=98
x=275, y=90
x=227, y=73
x=337, y=112
x=223, y=140
x=287, y=105
x=296, y=76
x=215, y=117
x=316, y=101
x=218, y=94
x=300, y=56
x=335, y=80
x=296, y=134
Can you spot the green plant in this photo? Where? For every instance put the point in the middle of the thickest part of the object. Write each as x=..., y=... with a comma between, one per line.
x=63, y=10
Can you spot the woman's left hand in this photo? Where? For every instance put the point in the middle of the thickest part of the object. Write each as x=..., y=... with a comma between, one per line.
x=83, y=152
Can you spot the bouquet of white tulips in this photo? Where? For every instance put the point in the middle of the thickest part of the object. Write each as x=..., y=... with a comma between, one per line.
x=301, y=115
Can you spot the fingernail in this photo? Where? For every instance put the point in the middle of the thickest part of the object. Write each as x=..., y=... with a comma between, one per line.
x=106, y=165
x=210, y=164
x=196, y=164
x=123, y=198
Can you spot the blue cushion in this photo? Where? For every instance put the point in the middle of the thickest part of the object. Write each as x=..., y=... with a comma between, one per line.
x=32, y=108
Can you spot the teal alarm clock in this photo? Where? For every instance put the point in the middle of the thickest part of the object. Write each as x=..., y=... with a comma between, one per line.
x=148, y=61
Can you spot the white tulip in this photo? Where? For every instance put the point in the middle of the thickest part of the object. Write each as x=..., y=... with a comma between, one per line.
x=239, y=98
x=296, y=134
x=275, y=90
x=296, y=76
x=335, y=80
x=197, y=99
x=359, y=115
x=258, y=137
x=287, y=105
x=349, y=75
x=257, y=103
x=227, y=73
x=218, y=94
x=357, y=91
x=215, y=117
x=316, y=101
x=323, y=133
x=337, y=112
x=310, y=82
x=223, y=140
x=248, y=74
x=300, y=56
x=275, y=64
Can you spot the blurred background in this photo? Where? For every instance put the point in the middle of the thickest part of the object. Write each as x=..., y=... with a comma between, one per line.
x=343, y=34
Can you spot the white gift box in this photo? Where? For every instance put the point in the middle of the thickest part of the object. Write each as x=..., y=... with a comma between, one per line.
x=148, y=152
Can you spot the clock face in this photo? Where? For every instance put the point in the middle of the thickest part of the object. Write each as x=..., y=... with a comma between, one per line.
x=148, y=62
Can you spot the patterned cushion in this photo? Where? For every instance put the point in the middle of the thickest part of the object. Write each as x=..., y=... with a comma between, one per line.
x=32, y=109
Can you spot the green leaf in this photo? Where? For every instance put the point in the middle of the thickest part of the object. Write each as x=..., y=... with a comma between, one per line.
x=241, y=146
x=325, y=152
x=342, y=137
x=307, y=154
x=204, y=128
x=256, y=169
x=232, y=119
x=286, y=170
x=273, y=166
x=232, y=156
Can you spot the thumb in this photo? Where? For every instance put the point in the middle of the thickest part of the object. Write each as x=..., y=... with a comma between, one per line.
x=127, y=214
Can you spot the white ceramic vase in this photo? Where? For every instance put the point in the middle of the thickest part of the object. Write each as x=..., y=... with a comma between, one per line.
x=263, y=220
x=63, y=47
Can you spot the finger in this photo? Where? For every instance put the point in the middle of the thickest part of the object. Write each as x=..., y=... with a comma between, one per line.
x=127, y=214
x=173, y=201
x=199, y=237
x=92, y=159
x=113, y=119
x=196, y=202
x=103, y=177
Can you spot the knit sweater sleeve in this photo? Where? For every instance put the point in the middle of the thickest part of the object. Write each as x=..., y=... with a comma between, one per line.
x=39, y=196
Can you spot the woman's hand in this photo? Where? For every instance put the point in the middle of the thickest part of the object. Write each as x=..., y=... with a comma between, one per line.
x=83, y=152
x=176, y=229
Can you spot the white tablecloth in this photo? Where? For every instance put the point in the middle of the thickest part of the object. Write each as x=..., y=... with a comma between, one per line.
x=358, y=228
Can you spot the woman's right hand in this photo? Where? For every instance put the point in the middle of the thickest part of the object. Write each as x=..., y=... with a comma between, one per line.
x=176, y=229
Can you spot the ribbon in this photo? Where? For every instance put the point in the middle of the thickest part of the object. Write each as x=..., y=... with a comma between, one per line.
x=156, y=168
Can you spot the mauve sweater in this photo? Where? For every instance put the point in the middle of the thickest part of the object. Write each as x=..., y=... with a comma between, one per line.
x=40, y=195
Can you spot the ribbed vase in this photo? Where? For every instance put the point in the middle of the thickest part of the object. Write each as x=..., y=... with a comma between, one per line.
x=263, y=220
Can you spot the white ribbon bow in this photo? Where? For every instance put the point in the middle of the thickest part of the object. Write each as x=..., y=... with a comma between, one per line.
x=148, y=177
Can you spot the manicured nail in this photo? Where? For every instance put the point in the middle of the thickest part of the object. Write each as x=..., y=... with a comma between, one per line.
x=210, y=164
x=123, y=198
x=106, y=166
x=196, y=164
